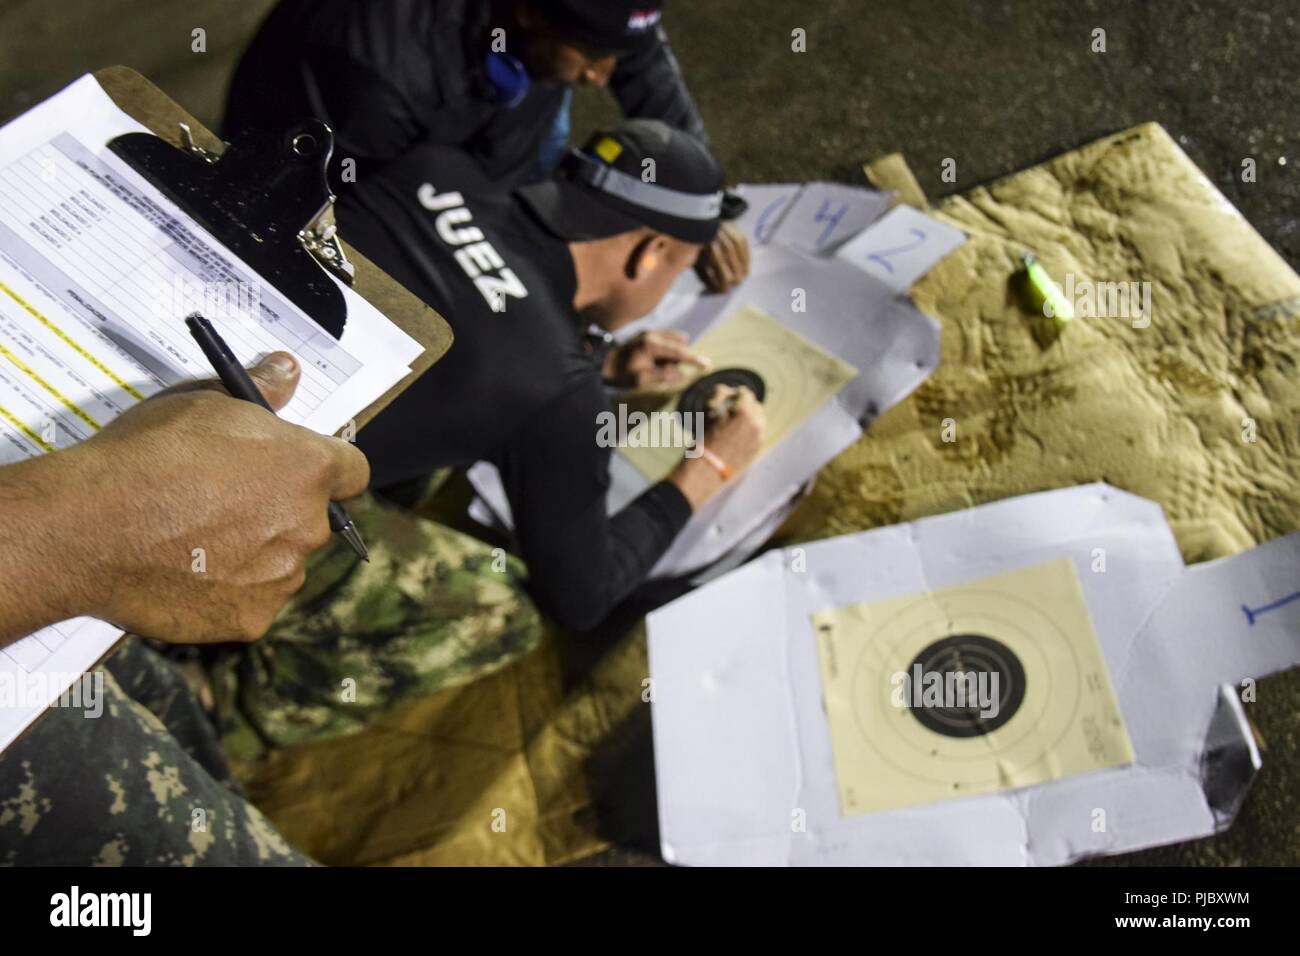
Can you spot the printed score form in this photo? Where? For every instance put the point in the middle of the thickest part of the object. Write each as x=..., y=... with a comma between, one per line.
x=97, y=272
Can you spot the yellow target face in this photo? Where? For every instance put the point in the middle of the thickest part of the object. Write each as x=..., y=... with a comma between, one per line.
x=790, y=375
x=971, y=689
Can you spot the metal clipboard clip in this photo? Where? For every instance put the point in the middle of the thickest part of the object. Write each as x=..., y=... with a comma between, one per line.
x=266, y=198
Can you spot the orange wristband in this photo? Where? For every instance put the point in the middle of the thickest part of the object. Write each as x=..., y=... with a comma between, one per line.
x=719, y=465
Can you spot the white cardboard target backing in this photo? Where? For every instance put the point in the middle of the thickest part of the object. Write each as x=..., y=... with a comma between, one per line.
x=742, y=746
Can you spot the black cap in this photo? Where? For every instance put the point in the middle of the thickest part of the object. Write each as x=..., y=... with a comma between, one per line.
x=607, y=26
x=642, y=173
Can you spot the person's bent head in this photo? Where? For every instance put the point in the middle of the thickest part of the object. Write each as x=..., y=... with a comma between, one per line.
x=577, y=42
x=636, y=204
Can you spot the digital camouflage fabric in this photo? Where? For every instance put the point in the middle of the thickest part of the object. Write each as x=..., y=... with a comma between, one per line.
x=146, y=781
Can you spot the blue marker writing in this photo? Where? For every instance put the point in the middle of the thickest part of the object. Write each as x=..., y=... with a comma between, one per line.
x=831, y=220
x=762, y=230
x=879, y=257
x=1254, y=612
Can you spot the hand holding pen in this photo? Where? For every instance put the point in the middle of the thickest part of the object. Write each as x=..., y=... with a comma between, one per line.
x=239, y=385
x=188, y=518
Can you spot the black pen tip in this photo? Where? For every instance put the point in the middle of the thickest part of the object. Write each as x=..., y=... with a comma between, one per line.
x=353, y=537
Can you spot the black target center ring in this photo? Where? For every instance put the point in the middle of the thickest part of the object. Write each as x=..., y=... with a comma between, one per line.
x=695, y=399
x=967, y=654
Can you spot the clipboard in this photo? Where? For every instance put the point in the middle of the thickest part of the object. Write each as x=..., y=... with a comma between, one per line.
x=196, y=153
x=275, y=214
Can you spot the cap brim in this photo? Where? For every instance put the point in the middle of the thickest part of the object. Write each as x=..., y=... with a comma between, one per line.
x=578, y=214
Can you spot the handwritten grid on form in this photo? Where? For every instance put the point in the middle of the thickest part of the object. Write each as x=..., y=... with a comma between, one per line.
x=29, y=653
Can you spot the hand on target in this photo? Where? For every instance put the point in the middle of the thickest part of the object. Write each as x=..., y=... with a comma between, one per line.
x=651, y=360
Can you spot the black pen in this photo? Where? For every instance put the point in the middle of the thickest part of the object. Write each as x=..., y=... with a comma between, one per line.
x=239, y=385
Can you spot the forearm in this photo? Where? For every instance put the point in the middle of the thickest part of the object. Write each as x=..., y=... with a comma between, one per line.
x=45, y=569
x=581, y=560
x=649, y=84
x=639, y=535
x=697, y=480
x=581, y=568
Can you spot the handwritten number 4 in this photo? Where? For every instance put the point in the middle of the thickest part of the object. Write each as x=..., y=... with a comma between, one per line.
x=881, y=257
x=832, y=220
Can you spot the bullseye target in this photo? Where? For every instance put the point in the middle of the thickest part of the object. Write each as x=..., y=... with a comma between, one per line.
x=969, y=689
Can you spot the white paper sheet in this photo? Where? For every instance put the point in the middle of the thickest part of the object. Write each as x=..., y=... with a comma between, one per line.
x=742, y=746
x=901, y=247
x=894, y=346
x=813, y=218
x=96, y=268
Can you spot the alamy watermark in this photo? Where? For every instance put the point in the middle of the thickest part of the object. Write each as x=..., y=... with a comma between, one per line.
x=133, y=911
x=84, y=692
x=655, y=429
x=231, y=301
x=947, y=690
x=1107, y=300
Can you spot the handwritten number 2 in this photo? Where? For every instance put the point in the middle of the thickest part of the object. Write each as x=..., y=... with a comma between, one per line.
x=880, y=258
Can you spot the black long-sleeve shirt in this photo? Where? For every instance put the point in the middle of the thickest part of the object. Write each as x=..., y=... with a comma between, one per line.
x=388, y=74
x=518, y=387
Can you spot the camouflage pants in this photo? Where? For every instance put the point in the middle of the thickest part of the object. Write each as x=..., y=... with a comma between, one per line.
x=143, y=783
x=432, y=609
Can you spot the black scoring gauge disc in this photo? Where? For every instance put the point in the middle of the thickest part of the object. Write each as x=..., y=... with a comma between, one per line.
x=695, y=399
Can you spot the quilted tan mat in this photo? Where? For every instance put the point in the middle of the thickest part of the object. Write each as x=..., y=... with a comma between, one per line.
x=1199, y=410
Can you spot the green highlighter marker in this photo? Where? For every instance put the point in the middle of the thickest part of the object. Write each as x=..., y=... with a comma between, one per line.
x=1050, y=299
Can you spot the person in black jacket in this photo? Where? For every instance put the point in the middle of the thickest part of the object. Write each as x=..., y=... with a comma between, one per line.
x=491, y=77
x=520, y=276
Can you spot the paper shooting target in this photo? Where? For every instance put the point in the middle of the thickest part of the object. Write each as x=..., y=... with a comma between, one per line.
x=970, y=689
